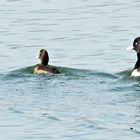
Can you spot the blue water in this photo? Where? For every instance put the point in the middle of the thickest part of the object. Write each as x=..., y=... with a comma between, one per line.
x=94, y=97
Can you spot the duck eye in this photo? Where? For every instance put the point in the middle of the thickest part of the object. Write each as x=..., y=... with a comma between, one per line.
x=136, y=43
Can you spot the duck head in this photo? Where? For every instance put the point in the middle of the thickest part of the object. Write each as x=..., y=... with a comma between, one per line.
x=136, y=45
x=44, y=57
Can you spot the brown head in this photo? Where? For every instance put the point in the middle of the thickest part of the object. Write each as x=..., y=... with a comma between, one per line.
x=44, y=57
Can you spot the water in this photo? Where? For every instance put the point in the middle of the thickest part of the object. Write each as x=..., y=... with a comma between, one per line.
x=94, y=97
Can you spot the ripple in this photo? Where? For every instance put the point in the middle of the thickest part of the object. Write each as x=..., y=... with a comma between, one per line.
x=97, y=100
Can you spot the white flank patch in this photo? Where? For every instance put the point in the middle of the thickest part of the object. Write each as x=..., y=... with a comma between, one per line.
x=135, y=73
x=36, y=71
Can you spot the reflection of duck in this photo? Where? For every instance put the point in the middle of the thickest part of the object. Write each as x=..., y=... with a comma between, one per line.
x=136, y=47
x=43, y=67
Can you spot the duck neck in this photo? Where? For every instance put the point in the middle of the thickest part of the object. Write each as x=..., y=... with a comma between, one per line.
x=44, y=63
x=138, y=61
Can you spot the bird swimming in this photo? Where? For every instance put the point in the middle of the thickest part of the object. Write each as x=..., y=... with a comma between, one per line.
x=44, y=67
x=136, y=47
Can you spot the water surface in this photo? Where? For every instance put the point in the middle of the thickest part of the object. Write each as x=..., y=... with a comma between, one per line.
x=94, y=97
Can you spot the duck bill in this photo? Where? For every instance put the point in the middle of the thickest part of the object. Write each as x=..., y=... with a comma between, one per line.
x=130, y=48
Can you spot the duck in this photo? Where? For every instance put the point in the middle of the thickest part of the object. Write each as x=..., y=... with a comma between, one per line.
x=136, y=47
x=44, y=67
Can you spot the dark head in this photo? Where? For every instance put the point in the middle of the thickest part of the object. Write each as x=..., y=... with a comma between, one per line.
x=44, y=57
x=136, y=45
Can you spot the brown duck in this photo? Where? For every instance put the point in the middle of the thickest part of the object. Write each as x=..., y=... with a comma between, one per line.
x=44, y=67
